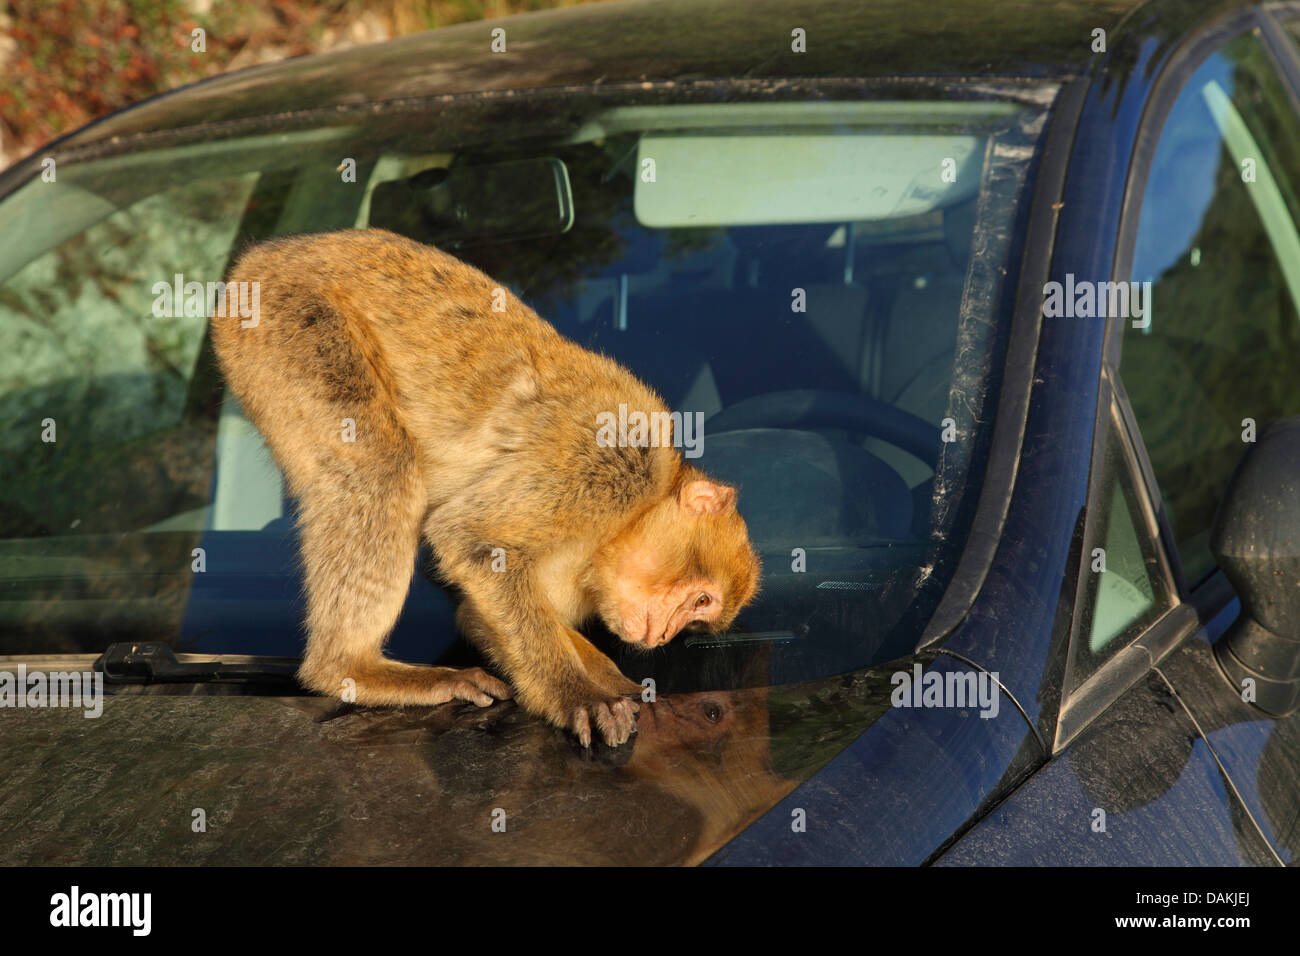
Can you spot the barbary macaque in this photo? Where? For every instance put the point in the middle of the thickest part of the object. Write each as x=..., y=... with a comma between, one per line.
x=405, y=394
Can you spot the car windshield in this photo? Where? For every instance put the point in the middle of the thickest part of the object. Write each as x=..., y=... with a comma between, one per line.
x=824, y=284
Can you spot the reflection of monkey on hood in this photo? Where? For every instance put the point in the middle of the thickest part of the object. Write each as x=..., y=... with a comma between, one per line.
x=697, y=773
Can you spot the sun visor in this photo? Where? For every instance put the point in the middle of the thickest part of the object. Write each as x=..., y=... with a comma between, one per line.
x=699, y=179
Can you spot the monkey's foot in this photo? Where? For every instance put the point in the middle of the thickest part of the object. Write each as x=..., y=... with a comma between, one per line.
x=614, y=719
x=472, y=684
x=386, y=683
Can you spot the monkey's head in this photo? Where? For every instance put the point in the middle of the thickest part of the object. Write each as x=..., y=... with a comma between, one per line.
x=685, y=563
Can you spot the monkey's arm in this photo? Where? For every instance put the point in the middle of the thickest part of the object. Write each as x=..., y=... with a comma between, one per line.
x=556, y=672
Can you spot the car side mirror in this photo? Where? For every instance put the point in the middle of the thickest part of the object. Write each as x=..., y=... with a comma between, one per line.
x=1257, y=542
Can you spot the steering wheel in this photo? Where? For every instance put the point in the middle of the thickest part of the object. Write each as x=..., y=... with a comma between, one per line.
x=807, y=408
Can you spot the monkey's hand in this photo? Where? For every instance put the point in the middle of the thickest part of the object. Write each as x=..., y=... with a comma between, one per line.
x=583, y=705
x=610, y=712
x=556, y=673
x=613, y=717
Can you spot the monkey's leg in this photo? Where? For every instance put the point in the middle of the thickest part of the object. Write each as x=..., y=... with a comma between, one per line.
x=319, y=399
x=359, y=550
x=541, y=656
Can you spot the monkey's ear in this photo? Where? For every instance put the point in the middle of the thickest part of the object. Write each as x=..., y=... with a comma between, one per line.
x=704, y=497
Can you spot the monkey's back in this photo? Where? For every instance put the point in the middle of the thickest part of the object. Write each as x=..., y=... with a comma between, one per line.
x=415, y=346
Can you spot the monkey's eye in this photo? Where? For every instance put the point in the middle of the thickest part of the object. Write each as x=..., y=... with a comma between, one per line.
x=703, y=601
x=712, y=713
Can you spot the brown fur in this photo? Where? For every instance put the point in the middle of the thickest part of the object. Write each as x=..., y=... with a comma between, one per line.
x=476, y=430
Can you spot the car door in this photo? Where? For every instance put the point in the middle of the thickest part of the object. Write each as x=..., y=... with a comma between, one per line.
x=1156, y=757
x=1132, y=780
x=1219, y=362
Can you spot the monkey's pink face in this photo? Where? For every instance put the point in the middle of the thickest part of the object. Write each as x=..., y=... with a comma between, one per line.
x=652, y=618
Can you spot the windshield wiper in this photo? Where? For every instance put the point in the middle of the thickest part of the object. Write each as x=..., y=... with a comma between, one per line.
x=153, y=662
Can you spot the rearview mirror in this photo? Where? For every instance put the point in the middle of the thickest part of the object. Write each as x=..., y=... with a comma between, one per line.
x=1257, y=542
x=492, y=201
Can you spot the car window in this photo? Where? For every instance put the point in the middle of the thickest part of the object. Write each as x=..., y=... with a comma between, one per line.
x=778, y=319
x=1124, y=585
x=1291, y=26
x=1218, y=241
x=106, y=451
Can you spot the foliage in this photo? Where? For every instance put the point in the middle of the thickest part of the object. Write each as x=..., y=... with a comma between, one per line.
x=65, y=62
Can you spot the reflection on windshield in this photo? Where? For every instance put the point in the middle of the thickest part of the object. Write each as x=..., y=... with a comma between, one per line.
x=838, y=353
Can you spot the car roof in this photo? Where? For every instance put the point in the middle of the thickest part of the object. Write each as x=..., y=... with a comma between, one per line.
x=674, y=40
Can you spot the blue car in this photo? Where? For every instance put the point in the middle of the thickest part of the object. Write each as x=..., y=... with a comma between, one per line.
x=989, y=311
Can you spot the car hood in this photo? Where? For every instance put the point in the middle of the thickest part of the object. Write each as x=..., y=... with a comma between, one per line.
x=303, y=780
x=166, y=775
